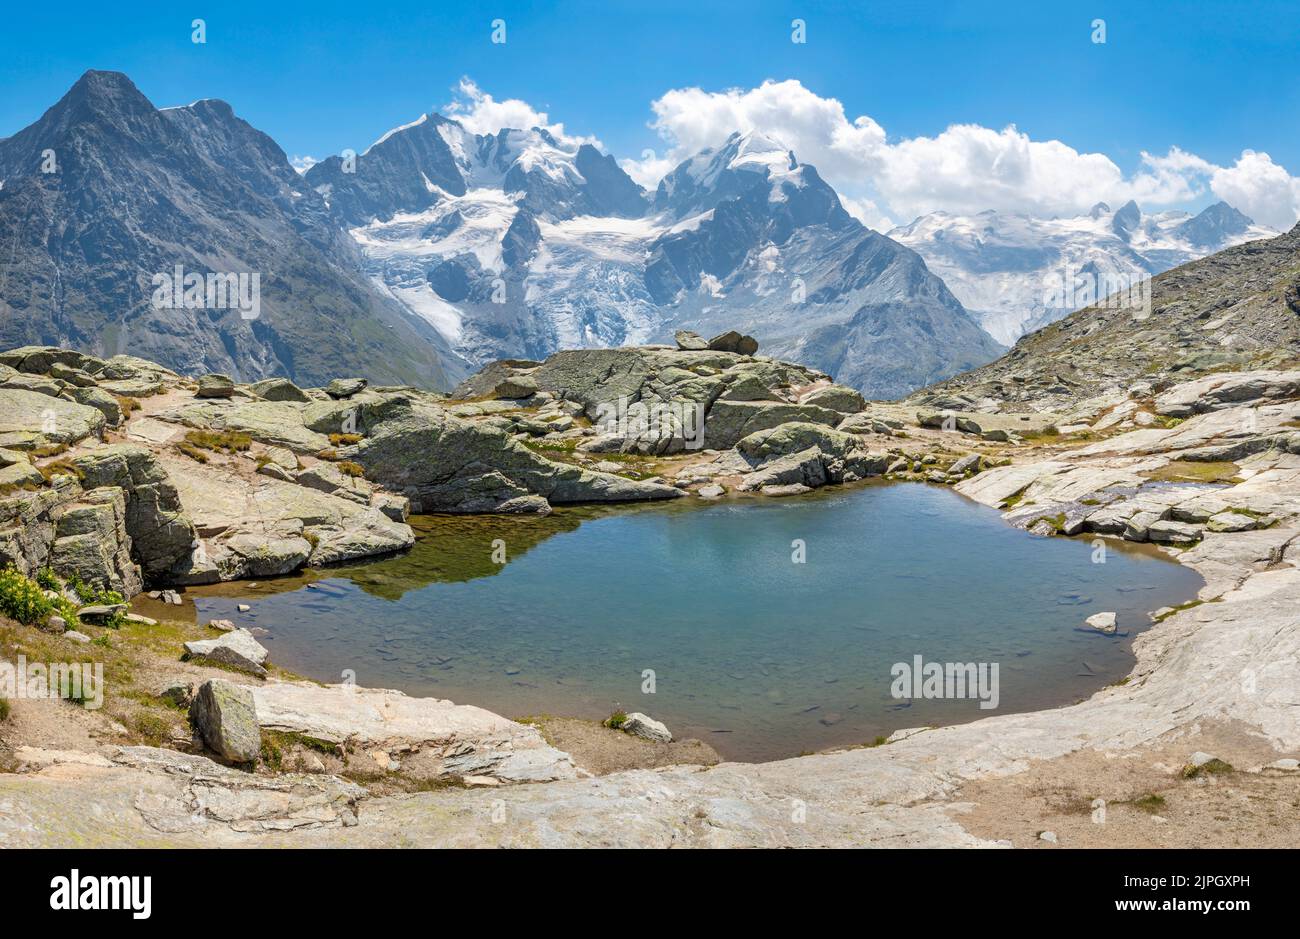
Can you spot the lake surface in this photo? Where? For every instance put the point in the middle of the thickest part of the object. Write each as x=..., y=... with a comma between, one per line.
x=757, y=654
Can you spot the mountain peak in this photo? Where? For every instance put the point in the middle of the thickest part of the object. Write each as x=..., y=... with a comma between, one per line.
x=1213, y=225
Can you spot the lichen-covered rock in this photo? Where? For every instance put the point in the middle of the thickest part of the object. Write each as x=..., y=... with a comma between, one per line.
x=162, y=536
x=443, y=463
x=225, y=715
x=689, y=341
x=639, y=725
x=836, y=397
x=92, y=545
x=345, y=387
x=100, y=400
x=729, y=422
x=279, y=389
x=56, y=420
x=732, y=341
x=215, y=385
x=236, y=648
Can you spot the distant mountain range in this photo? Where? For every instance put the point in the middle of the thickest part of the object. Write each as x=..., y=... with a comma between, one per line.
x=438, y=250
x=1003, y=267
x=516, y=245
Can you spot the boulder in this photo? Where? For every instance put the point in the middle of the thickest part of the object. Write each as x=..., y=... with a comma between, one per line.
x=279, y=389
x=732, y=341
x=71, y=375
x=344, y=387
x=236, y=648
x=515, y=386
x=1102, y=622
x=54, y=419
x=1232, y=522
x=453, y=740
x=1171, y=532
x=728, y=422
x=689, y=341
x=836, y=397
x=100, y=400
x=225, y=715
x=639, y=725
x=215, y=385
x=100, y=613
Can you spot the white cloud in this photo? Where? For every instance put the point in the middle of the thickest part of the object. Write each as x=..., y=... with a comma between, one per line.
x=1260, y=188
x=480, y=113
x=303, y=163
x=966, y=168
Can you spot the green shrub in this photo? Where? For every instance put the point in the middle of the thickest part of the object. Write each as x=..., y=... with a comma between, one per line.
x=4, y=709
x=616, y=720
x=47, y=579
x=21, y=598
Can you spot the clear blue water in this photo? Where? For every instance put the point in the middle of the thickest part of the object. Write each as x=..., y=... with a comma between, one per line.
x=759, y=656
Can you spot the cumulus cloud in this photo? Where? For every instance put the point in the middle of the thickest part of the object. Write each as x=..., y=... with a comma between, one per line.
x=966, y=168
x=1260, y=188
x=480, y=113
x=303, y=163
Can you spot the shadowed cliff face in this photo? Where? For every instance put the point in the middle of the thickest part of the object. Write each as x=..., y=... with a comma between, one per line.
x=105, y=192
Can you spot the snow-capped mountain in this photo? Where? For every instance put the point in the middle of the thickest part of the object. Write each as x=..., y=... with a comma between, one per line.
x=518, y=244
x=1006, y=268
x=134, y=192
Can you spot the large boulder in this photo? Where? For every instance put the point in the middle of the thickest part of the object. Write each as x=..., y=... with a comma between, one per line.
x=836, y=397
x=225, y=715
x=689, y=341
x=236, y=648
x=53, y=419
x=279, y=389
x=441, y=739
x=804, y=454
x=728, y=422
x=732, y=341
x=100, y=400
x=215, y=385
x=639, y=725
x=345, y=387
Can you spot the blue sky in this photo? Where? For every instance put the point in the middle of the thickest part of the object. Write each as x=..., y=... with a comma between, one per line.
x=1212, y=79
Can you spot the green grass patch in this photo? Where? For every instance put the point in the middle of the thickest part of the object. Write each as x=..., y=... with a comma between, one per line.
x=1152, y=803
x=219, y=441
x=1215, y=767
x=1195, y=471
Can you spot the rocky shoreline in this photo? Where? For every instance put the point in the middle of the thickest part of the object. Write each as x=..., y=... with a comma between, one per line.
x=1208, y=469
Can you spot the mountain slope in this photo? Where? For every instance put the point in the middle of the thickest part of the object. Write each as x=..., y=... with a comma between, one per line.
x=518, y=244
x=1238, y=309
x=1005, y=268
x=138, y=191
